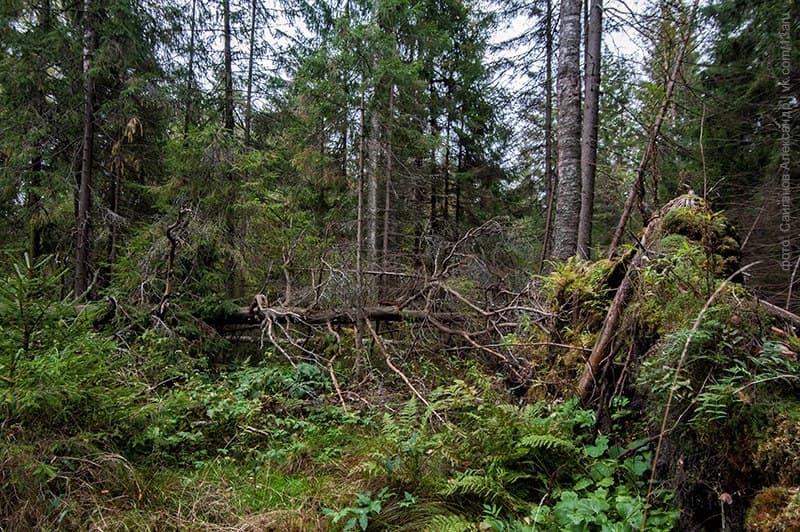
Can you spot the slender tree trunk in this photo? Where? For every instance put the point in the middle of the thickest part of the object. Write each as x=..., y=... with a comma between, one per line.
x=360, y=226
x=434, y=171
x=373, y=155
x=228, y=105
x=568, y=203
x=187, y=119
x=446, y=173
x=83, y=242
x=387, y=194
x=549, y=178
x=248, y=113
x=591, y=115
x=459, y=168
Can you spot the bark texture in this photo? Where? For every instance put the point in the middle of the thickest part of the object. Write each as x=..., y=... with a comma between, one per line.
x=83, y=215
x=591, y=113
x=568, y=202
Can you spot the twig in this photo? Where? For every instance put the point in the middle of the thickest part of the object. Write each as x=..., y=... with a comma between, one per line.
x=266, y=327
x=791, y=283
x=161, y=309
x=382, y=348
x=637, y=189
x=330, y=366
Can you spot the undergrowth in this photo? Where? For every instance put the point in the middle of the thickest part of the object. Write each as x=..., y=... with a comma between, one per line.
x=139, y=429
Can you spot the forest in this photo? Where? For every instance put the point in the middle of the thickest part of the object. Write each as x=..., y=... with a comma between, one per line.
x=420, y=265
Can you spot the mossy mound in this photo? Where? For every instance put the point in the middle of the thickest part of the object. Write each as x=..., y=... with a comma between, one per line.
x=691, y=337
x=775, y=509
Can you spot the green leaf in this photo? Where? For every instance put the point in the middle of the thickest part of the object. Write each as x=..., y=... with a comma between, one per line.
x=597, y=450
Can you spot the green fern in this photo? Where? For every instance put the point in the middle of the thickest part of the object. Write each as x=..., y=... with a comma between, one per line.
x=449, y=523
x=548, y=442
x=479, y=484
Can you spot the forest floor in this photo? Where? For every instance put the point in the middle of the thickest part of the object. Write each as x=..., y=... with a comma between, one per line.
x=692, y=421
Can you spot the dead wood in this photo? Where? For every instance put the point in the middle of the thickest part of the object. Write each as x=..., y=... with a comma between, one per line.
x=160, y=310
x=254, y=315
x=602, y=349
x=780, y=313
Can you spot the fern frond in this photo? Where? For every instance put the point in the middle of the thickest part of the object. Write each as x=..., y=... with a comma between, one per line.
x=478, y=484
x=546, y=442
x=449, y=523
x=408, y=417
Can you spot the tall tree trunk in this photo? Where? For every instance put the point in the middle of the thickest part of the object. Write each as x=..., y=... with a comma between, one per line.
x=549, y=178
x=227, y=119
x=360, y=225
x=590, y=121
x=446, y=173
x=83, y=242
x=568, y=202
x=387, y=193
x=248, y=112
x=373, y=154
x=187, y=119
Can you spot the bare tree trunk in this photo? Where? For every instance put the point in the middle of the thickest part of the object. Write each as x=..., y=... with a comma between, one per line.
x=446, y=172
x=568, y=203
x=637, y=187
x=387, y=194
x=360, y=227
x=187, y=119
x=227, y=119
x=591, y=112
x=83, y=242
x=549, y=178
x=248, y=113
x=373, y=154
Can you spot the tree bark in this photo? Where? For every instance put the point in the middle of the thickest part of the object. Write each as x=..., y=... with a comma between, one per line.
x=549, y=177
x=568, y=202
x=83, y=242
x=360, y=226
x=227, y=120
x=591, y=113
x=373, y=154
x=387, y=194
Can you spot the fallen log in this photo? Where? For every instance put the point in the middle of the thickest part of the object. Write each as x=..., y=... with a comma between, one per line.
x=780, y=313
x=255, y=315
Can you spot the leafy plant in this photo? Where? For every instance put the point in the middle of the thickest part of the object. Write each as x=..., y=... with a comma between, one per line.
x=359, y=514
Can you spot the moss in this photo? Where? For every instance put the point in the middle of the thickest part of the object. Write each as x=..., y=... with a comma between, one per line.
x=688, y=221
x=579, y=294
x=779, y=454
x=581, y=291
x=774, y=509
